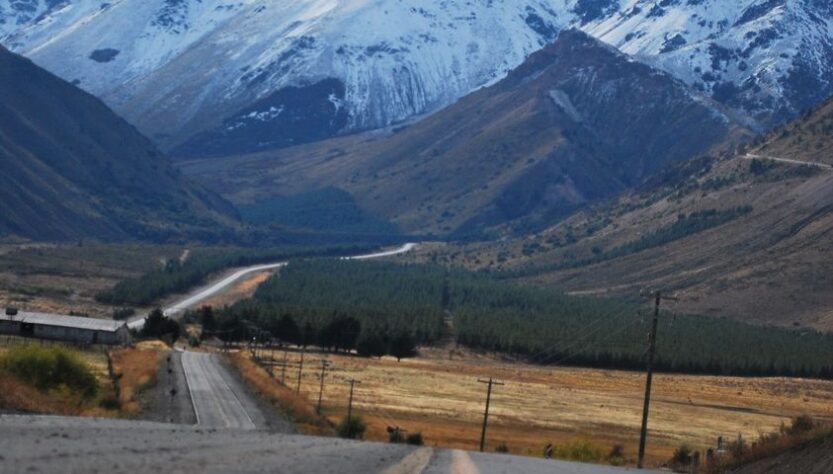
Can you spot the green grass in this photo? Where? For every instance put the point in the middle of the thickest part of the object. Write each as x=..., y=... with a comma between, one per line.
x=50, y=368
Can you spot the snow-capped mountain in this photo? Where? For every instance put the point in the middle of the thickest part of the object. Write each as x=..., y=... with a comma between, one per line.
x=179, y=67
x=230, y=76
x=770, y=58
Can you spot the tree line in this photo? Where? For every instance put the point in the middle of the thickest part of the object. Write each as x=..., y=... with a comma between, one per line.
x=177, y=277
x=366, y=306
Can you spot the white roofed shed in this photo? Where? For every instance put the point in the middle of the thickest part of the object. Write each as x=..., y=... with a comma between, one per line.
x=57, y=327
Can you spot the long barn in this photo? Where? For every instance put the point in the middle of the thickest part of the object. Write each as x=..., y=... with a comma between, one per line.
x=57, y=327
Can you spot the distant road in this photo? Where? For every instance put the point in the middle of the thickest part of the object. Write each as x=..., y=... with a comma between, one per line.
x=215, y=402
x=83, y=445
x=223, y=283
x=751, y=156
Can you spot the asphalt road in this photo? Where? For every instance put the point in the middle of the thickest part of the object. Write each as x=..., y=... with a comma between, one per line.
x=213, y=288
x=216, y=403
x=79, y=445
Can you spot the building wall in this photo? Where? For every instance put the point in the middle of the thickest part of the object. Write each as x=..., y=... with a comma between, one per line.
x=73, y=335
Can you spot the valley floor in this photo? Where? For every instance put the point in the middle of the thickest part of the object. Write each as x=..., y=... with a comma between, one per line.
x=440, y=397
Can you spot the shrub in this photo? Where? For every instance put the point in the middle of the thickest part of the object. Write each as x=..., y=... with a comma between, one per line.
x=351, y=428
x=801, y=424
x=682, y=456
x=395, y=435
x=502, y=448
x=50, y=368
x=581, y=451
x=415, y=439
x=616, y=456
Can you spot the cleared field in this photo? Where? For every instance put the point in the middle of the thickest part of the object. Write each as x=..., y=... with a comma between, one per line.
x=442, y=399
x=244, y=288
x=66, y=277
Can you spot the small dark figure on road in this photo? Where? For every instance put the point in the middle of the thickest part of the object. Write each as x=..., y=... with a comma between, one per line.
x=548, y=451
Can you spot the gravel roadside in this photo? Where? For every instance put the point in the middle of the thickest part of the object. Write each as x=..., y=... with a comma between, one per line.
x=169, y=401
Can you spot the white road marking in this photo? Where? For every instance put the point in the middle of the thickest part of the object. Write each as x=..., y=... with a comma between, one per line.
x=414, y=463
x=461, y=463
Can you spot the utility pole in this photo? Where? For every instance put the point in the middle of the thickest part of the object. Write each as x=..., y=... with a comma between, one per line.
x=300, y=370
x=353, y=383
x=652, y=349
x=324, y=365
x=491, y=382
x=283, y=367
x=271, y=361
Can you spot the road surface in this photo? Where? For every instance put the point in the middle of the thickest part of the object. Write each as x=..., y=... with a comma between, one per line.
x=750, y=156
x=217, y=402
x=85, y=445
x=227, y=281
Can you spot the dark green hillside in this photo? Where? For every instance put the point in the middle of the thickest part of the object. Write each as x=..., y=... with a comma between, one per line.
x=70, y=168
x=384, y=300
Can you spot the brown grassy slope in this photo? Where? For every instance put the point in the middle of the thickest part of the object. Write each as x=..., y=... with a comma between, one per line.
x=300, y=411
x=19, y=397
x=770, y=266
x=574, y=123
x=136, y=368
x=812, y=456
x=806, y=139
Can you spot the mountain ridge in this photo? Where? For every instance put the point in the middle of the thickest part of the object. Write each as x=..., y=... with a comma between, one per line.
x=732, y=235
x=577, y=122
x=72, y=169
x=182, y=69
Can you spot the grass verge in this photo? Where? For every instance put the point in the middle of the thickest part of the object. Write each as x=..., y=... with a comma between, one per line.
x=299, y=410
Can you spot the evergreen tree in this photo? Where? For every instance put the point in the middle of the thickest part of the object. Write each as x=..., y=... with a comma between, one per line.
x=402, y=346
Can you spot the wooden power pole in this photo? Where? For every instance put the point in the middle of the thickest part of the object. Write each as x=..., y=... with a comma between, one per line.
x=300, y=370
x=652, y=349
x=283, y=367
x=353, y=383
x=490, y=383
x=324, y=365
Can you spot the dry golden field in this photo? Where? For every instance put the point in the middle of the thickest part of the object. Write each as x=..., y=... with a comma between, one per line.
x=442, y=399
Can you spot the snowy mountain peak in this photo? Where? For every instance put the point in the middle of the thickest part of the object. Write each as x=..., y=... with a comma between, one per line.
x=182, y=69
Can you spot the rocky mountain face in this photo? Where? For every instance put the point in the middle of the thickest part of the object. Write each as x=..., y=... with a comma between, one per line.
x=769, y=58
x=213, y=77
x=578, y=121
x=71, y=169
x=237, y=71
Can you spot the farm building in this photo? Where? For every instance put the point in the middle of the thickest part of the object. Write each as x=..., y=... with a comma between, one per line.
x=56, y=327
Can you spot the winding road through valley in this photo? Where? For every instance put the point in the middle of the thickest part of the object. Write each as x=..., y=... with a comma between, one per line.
x=227, y=281
x=228, y=435
x=218, y=399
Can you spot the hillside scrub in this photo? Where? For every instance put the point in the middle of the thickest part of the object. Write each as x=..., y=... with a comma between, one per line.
x=50, y=369
x=686, y=225
x=803, y=431
x=384, y=300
